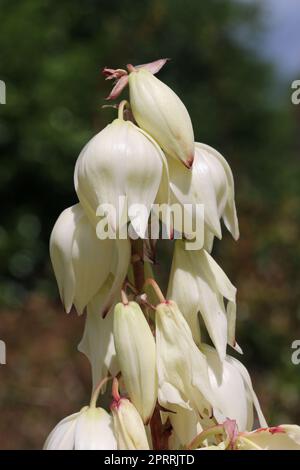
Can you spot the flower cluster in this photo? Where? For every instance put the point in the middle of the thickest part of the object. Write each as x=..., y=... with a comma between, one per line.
x=170, y=390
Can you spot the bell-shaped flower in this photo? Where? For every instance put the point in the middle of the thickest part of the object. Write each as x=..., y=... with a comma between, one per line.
x=84, y=265
x=136, y=355
x=182, y=368
x=160, y=112
x=198, y=284
x=118, y=175
x=128, y=425
x=90, y=429
x=209, y=185
x=223, y=185
x=232, y=390
x=283, y=437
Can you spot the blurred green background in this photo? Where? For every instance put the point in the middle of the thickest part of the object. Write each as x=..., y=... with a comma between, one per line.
x=51, y=54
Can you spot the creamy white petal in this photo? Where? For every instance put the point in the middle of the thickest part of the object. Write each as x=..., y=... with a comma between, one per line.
x=94, y=431
x=98, y=343
x=62, y=437
x=224, y=186
x=61, y=243
x=182, y=368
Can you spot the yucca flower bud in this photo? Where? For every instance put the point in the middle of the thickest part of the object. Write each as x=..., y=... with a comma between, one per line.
x=160, y=112
x=198, y=284
x=120, y=166
x=84, y=265
x=136, y=355
x=90, y=429
x=182, y=368
x=232, y=390
x=128, y=425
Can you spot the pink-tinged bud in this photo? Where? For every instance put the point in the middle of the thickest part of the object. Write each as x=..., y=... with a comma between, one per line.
x=136, y=355
x=128, y=425
x=160, y=112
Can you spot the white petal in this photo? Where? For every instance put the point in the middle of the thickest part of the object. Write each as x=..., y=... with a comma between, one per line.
x=94, y=431
x=98, y=344
x=63, y=435
x=92, y=262
x=61, y=242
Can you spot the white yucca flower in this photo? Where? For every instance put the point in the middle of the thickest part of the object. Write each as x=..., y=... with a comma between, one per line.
x=136, y=353
x=182, y=368
x=85, y=266
x=128, y=425
x=120, y=166
x=209, y=183
x=232, y=390
x=90, y=429
x=160, y=112
x=198, y=284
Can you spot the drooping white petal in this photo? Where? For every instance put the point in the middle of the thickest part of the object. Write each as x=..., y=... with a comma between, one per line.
x=182, y=368
x=61, y=243
x=252, y=398
x=185, y=423
x=197, y=284
x=92, y=262
x=195, y=187
x=97, y=342
x=94, y=431
x=159, y=111
x=62, y=437
x=229, y=389
x=223, y=184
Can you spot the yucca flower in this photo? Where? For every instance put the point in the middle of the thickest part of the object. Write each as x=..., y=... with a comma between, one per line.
x=90, y=429
x=118, y=176
x=198, y=284
x=85, y=267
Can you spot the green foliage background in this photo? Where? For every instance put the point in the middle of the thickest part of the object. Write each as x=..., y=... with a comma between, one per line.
x=51, y=54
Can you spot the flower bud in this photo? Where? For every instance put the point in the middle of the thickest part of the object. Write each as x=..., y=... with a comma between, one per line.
x=83, y=264
x=118, y=166
x=182, y=368
x=159, y=111
x=128, y=425
x=136, y=355
x=90, y=429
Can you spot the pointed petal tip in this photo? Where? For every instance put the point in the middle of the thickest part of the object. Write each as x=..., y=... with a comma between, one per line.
x=189, y=162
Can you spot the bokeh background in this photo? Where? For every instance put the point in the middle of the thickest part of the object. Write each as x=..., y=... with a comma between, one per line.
x=232, y=63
